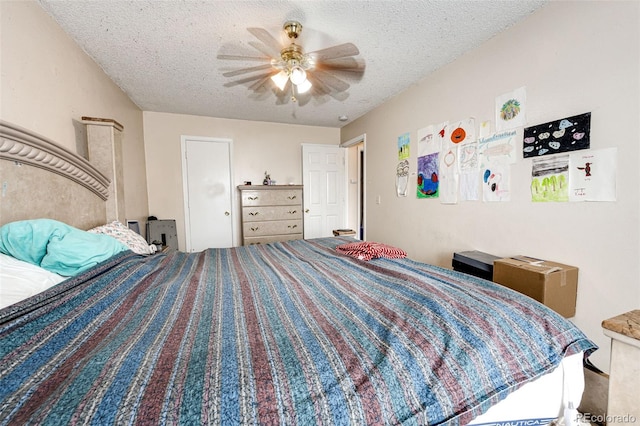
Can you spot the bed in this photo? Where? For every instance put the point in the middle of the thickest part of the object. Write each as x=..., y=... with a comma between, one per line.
x=284, y=333
x=294, y=332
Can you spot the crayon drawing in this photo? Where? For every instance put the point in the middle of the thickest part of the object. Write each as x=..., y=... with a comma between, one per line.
x=510, y=110
x=402, y=178
x=403, y=146
x=427, y=143
x=568, y=134
x=496, y=182
x=499, y=148
x=550, y=179
x=592, y=175
x=428, y=176
x=463, y=131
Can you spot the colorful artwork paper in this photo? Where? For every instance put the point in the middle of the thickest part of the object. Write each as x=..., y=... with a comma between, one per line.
x=485, y=129
x=468, y=157
x=463, y=131
x=440, y=135
x=468, y=166
x=511, y=109
x=403, y=146
x=568, y=134
x=499, y=148
x=402, y=178
x=550, y=179
x=427, y=143
x=428, y=176
x=496, y=182
x=592, y=175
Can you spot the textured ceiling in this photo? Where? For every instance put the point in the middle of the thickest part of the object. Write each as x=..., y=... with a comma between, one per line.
x=163, y=54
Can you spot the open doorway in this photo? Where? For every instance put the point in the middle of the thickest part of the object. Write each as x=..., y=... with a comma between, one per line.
x=361, y=191
x=356, y=181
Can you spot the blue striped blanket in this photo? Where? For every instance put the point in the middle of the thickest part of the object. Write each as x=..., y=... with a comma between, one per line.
x=284, y=333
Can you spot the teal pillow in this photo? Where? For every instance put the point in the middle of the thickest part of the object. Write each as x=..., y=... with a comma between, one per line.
x=56, y=246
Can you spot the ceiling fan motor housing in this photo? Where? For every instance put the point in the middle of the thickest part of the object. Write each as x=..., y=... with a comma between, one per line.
x=292, y=28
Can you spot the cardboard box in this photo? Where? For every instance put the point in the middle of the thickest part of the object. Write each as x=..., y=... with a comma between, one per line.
x=551, y=283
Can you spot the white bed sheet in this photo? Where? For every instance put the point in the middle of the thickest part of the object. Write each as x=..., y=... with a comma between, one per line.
x=20, y=280
x=541, y=401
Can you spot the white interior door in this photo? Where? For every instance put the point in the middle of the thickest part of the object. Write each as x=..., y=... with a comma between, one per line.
x=207, y=193
x=323, y=177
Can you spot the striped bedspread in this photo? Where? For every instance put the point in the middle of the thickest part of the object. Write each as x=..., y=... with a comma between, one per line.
x=284, y=333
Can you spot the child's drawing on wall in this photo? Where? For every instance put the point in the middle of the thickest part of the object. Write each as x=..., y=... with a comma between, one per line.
x=428, y=178
x=403, y=146
x=550, y=179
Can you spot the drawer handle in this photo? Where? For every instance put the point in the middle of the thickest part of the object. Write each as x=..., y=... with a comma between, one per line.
x=254, y=213
x=292, y=226
x=293, y=211
x=253, y=198
x=292, y=197
x=255, y=229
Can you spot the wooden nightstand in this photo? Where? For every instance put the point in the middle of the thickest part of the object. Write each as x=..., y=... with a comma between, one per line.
x=624, y=374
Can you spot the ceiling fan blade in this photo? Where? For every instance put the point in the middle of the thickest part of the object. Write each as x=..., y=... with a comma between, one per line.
x=247, y=79
x=331, y=81
x=244, y=58
x=269, y=41
x=247, y=70
x=318, y=86
x=339, y=51
x=261, y=85
x=342, y=64
x=264, y=49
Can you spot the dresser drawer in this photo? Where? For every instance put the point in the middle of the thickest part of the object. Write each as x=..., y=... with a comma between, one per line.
x=279, y=197
x=271, y=239
x=274, y=227
x=258, y=214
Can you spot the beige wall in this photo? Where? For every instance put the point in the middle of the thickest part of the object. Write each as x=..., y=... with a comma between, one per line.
x=48, y=83
x=573, y=57
x=257, y=147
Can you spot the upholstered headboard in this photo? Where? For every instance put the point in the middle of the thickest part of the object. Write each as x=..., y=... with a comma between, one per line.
x=41, y=179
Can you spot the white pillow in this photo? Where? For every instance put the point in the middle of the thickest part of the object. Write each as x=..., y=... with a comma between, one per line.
x=20, y=280
x=126, y=236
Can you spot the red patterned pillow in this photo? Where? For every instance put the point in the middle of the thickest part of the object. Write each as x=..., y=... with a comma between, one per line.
x=366, y=250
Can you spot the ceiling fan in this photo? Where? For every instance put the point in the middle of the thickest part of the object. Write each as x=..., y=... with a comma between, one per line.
x=290, y=68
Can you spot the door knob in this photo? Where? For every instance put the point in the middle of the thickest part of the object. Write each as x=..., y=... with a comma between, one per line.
x=306, y=211
x=227, y=213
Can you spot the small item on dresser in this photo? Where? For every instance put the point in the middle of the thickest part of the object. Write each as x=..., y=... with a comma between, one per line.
x=267, y=178
x=342, y=232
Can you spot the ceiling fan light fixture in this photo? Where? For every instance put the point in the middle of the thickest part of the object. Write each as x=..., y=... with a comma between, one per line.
x=293, y=64
x=304, y=86
x=280, y=79
x=298, y=75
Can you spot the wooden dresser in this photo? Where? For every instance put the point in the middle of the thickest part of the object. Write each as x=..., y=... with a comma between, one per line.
x=271, y=213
